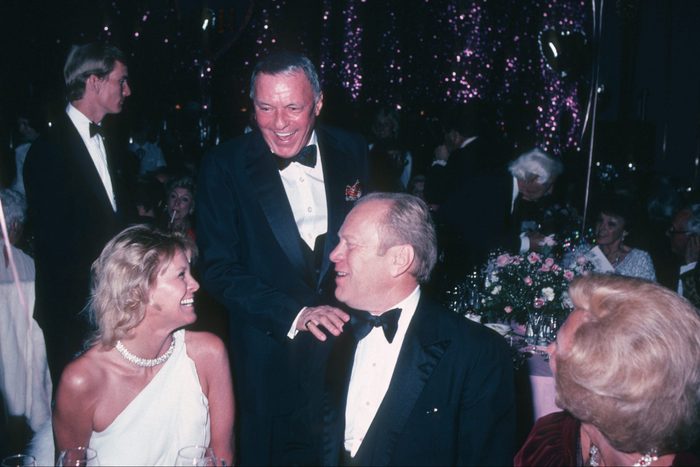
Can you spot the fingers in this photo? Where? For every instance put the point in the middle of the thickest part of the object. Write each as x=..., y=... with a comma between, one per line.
x=314, y=319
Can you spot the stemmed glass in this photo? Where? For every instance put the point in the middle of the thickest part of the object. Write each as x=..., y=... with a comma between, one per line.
x=196, y=456
x=19, y=460
x=78, y=457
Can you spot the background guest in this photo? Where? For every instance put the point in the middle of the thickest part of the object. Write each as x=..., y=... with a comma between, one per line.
x=146, y=387
x=76, y=195
x=390, y=164
x=615, y=218
x=496, y=211
x=179, y=205
x=626, y=369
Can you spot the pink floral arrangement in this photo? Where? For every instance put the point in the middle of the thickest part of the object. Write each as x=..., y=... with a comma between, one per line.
x=516, y=286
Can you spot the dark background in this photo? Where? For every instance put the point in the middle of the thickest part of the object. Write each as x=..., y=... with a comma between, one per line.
x=415, y=55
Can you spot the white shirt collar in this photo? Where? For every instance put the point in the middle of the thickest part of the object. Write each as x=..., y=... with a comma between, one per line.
x=81, y=122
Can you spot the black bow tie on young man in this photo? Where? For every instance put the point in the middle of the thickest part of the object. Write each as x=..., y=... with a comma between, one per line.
x=96, y=129
x=307, y=157
x=363, y=322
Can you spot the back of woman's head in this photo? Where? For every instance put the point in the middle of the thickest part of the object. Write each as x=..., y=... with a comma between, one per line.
x=632, y=368
x=123, y=276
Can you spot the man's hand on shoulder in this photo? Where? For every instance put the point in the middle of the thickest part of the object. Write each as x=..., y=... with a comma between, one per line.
x=313, y=319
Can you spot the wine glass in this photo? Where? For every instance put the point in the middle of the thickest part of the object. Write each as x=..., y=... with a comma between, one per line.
x=196, y=455
x=19, y=460
x=80, y=456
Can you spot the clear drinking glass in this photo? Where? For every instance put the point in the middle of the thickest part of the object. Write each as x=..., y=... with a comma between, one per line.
x=196, y=456
x=19, y=460
x=78, y=457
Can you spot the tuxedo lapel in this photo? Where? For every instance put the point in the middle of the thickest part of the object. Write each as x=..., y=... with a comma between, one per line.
x=336, y=161
x=273, y=200
x=337, y=384
x=86, y=172
x=421, y=351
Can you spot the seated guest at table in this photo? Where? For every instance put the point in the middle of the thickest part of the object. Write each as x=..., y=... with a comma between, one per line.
x=684, y=236
x=146, y=388
x=612, y=227
x=411, y=383
x=626, y=369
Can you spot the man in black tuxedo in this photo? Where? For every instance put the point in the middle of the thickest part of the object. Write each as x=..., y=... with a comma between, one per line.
x=410, y=383
x=498, y=211
x=75, y=198
x=265, y=202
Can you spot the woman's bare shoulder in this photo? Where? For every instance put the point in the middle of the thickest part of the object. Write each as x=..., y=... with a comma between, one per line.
x=86, y=373
x=203, y=344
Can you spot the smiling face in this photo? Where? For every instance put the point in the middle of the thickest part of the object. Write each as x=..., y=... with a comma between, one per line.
x=172, y=296
x=609, y=229
x=363, y=277
x=285, y=111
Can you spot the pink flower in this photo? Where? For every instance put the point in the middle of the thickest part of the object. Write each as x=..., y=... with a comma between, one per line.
x=568, y=275
x=508, y=309
x=549, y=262
x=556, y=267
x=581, y=260
x=539, y=302
x=502, y=260
x=527, y=280
x=545, y=268
x=517, y=260
x=533, y=258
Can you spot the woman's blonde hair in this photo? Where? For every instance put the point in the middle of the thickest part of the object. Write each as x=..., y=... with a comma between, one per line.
x=633, y=366
x=123, y=276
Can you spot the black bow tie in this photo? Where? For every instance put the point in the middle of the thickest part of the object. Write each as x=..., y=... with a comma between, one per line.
x=363, y=322
x=307, y=157
x=96, y=129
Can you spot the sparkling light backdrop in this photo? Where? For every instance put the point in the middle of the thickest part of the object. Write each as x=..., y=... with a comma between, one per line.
x=414, y=55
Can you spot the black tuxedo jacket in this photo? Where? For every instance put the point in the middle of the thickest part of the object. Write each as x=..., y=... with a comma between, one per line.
x=476, y=219
x=253, y=262
x=450, y=400
x=72, y=220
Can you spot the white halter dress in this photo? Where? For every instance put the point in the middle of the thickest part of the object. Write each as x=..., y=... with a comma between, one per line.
x=171, y=412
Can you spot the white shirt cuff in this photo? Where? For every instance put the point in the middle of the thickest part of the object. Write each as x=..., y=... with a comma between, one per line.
x=293, y=330
x=439, y=162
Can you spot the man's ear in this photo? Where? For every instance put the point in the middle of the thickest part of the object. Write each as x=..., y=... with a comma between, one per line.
x=92, y=83
x=402, y=257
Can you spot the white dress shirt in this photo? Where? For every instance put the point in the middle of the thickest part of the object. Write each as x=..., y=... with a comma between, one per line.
x=96, y=148
x=306, y=193
x=372, y=370
x=307, y=197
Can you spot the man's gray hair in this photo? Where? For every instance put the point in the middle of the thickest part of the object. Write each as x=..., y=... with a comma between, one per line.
x=14, y=206
x=90, y=59
x=536, y=164
x=286, y=63
x=408, y=221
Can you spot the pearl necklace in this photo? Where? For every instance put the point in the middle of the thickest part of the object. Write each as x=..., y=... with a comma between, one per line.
x=645, y=460
x=145, y=362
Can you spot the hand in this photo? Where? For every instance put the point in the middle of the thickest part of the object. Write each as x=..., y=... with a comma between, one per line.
x=315, y=317
x=536, y=241
x=692, y=249
x=441, y=153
